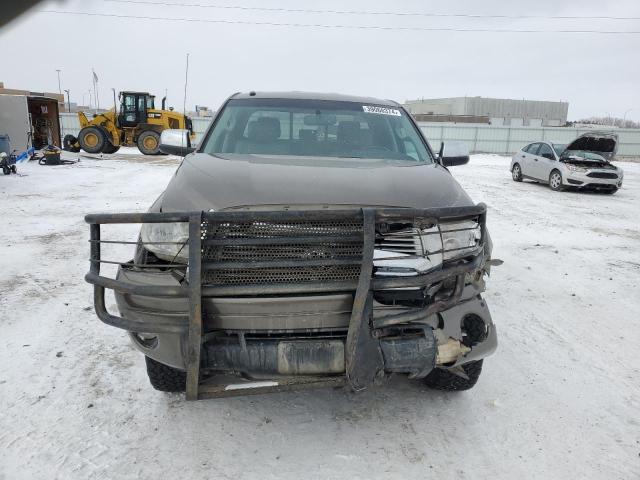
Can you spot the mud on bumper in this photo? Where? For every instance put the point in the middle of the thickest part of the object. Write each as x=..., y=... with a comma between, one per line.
x=353, y=332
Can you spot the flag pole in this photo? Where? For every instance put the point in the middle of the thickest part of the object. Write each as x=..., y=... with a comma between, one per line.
x=93, y=79
x=95, y=89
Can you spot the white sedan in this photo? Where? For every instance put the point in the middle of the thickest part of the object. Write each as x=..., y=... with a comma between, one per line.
x=582, y=164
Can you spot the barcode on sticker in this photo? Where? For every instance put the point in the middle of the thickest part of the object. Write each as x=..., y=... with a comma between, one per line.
x=381, y=110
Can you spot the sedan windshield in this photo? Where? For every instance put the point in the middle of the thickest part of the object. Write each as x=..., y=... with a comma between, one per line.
x=316, y=128
x=559, y=148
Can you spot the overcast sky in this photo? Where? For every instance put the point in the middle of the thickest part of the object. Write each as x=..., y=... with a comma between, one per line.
x=597, y=74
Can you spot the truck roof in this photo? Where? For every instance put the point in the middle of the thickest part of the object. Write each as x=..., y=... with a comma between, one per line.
x=315, y=96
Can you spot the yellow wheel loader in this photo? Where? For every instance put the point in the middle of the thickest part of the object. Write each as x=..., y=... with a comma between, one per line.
x=138, y=123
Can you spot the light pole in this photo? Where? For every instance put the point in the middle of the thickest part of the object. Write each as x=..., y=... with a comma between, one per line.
x=68, y=101
x=59, y=89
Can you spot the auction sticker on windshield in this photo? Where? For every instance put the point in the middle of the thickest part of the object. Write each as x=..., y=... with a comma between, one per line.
x=381, y=110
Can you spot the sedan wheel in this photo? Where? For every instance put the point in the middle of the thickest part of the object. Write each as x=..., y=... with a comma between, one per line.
x=516, y=173
x=555, y=181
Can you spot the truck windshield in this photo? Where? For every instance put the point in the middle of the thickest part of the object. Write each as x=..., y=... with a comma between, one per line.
x=316, y=128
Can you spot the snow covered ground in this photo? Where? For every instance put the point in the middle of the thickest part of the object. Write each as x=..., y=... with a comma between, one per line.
x=560, y=398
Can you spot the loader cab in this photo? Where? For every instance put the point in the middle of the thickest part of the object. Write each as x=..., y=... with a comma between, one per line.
x=133, y=108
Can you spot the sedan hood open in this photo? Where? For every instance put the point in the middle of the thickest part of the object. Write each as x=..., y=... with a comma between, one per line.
x=602, y=143
x=216, y=182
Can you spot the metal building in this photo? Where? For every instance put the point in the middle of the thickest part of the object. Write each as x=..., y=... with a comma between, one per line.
x=499, y=111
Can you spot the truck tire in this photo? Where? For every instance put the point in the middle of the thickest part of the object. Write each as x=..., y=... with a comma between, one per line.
x=440, y=379
x=70, y=144
x=165, y=378
x=149, y=142
x=92, y=140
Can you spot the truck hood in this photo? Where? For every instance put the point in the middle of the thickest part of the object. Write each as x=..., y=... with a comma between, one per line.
x=602, y=143
x=216, y=182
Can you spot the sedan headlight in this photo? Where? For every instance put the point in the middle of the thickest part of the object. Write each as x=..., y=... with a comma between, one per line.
x=168, y=241
x=460, y=238
x=575, y=168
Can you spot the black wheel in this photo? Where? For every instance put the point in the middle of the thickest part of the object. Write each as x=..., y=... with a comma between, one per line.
x=70, y=144
x=110, y=147
x=92, y=139
x=165, y=378
x=149, y=142
x=516, y=173
x=6, y=170
x=440, y=379
x=555, y=180
x=13, y=169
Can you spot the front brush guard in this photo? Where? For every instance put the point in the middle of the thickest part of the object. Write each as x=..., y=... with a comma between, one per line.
x=364, y=360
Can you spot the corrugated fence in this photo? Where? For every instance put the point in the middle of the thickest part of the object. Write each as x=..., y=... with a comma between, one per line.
x=479, y=138
x=508, y=140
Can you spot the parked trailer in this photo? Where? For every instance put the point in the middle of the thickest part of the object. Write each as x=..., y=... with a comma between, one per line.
x=30, y=121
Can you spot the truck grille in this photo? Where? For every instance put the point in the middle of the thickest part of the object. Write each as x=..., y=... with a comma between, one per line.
x=247, y=243
x=602, y=175
x=405, y=241
x=334, y=273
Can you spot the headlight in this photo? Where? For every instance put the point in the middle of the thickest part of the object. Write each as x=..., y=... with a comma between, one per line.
x=453, y=240
x=393, y=255
x=159, y=233
x=393, y=264
x=575, y=168
x=460, y=238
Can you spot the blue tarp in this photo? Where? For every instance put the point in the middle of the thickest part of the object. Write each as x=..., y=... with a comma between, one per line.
x=25, y=155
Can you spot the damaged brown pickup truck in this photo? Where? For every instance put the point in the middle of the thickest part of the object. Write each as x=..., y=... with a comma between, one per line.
x=310, y=240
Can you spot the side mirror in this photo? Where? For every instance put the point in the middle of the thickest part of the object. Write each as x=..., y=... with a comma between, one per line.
x=176, y=142
x=453, y=153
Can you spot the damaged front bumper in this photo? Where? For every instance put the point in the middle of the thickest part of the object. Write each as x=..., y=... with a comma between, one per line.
x=307, y=333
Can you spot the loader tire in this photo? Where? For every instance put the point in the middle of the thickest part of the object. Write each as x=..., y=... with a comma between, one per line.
x=440, y=379
x=165, y=378
x=149, y=142
x=110, y=148
x=92, y=139
x=70, y=144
